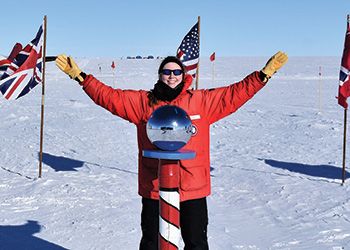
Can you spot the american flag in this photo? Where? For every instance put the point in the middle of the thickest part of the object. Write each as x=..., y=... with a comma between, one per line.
x=344, y=76
x=188, y=51
x=25, y=71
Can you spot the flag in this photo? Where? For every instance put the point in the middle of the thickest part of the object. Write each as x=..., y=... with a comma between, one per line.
x=344, y=80
x=26, y=70
x=188, y=51
x=6, y=64
x=15, y=50
x=113, y=65
x=212, y=57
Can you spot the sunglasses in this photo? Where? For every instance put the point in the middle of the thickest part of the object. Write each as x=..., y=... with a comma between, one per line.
x=176, y=72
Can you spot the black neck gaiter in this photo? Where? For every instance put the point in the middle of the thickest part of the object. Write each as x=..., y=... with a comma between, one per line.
x=165, y=93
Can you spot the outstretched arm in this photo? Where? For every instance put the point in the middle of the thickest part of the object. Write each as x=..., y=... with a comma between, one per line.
x=221, y=102
x=123, y=103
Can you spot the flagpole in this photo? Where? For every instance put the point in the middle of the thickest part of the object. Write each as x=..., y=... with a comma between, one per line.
x=344, y=146
x=213, y=72
x=320, y=89
x=114, y=85
x=343, y=104
x=42, y=101
x=113, y=72
x=197, y=70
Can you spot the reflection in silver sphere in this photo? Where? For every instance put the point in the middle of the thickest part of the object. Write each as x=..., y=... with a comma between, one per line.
x=169, y=128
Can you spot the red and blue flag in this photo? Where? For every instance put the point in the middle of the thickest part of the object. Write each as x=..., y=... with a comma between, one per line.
x=344, y=76
x=25, y=71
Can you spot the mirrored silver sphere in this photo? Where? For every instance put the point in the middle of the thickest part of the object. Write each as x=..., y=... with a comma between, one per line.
x=169, y=128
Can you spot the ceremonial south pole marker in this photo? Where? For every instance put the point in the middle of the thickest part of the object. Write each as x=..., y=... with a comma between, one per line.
x=169, y=128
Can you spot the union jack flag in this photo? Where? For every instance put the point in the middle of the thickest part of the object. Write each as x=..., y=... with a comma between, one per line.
x=25, y=71
x=6, y=64
x=15, y=50
x=344, y=75
x=188, y=51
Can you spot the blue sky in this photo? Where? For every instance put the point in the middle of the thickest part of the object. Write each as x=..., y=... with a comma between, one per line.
x=153, y=27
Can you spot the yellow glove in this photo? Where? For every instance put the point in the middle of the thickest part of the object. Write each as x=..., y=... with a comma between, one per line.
x=275, y=63
x=68, y=66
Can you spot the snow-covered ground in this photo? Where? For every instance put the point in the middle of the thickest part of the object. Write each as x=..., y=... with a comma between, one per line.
x=276, y=163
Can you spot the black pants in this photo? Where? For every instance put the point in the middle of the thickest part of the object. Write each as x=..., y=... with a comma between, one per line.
x=193, y=223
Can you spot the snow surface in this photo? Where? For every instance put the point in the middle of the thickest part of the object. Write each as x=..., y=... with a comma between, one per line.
x=276, y=162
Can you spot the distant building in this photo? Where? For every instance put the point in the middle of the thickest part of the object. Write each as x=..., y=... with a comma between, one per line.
x=140, y=57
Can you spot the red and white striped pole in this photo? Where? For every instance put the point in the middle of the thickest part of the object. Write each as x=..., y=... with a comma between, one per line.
x=169, y=205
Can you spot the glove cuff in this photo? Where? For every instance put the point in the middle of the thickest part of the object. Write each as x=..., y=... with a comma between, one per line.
x=80, y=78
x=263, y=77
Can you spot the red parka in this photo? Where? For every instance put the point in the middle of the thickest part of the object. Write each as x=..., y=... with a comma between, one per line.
x=204, y=108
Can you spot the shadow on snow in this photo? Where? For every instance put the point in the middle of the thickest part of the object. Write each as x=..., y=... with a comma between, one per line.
x=22, y=237
x=325, y=171
x=60, y=163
